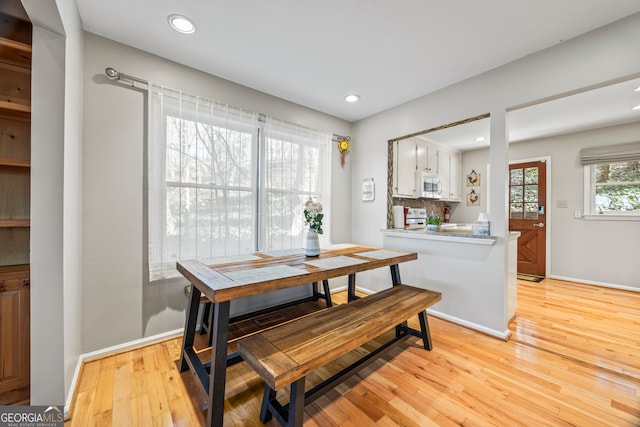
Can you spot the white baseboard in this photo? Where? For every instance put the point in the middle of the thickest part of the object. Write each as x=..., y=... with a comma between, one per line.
x=496, y=334
x=110, y=351
x=487, y=331
x=594, y=283
x=358, y=288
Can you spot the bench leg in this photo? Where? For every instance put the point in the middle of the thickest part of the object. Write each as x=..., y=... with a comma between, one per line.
x=296, y=404
x=424, y=328
x=265, y=413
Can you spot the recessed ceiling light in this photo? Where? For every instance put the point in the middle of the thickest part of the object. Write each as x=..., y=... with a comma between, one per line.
x=637, y=89
x=182, y=24
x=352, y=97
x=480, y=139
x=636, y=108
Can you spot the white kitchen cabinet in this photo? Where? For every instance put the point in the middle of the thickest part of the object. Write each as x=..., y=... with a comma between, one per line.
x=449, y=172
x=404, y=168
x=427, y=156
x=455, y=177
x=443, y=173
x=416, y=154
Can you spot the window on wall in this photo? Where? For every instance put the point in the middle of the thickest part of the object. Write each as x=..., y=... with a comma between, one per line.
x=524, y=193
x=296, y=168
x=612, y=181
x=225, y=182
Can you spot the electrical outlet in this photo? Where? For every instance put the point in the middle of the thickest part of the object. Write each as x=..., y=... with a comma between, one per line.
x=562, y=204
x=577, y=214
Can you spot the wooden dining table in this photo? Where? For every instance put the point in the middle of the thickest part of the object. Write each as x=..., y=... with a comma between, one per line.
x=223, y=281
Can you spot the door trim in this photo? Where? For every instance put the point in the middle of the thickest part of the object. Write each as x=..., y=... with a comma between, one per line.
x=547, y=160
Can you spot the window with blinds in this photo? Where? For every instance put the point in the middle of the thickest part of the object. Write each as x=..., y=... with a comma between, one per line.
x=612, y=180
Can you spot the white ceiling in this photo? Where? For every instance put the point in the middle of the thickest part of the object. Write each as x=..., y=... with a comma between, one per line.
x=314, y=53
x=605, y=106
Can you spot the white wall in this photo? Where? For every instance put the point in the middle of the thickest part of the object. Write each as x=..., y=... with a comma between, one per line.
x=602, y=55
x=47, y=145
x=56, y=147
x=118, y=303
x=600, y=252
x=72, y=197
x=585, y=250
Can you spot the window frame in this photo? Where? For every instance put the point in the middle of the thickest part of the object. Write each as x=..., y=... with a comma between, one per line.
x=164, y=268
x=590, y=212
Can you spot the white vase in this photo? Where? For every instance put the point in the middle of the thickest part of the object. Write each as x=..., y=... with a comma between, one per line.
x=312, y=246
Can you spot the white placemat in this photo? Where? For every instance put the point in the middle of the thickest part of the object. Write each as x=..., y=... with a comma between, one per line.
x=284, y=252
x=381, y=254
x=227, y=259
x=255, y=275
x=335, y=262
x=339, y=246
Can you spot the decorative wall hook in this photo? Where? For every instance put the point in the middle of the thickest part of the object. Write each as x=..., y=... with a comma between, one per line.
x=344, y=146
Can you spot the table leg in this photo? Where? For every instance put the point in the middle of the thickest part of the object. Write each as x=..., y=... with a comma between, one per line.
x=327, y=293
x=395, y=279
x=189, y=326
x=395, y=274
x=351, y=288
x=220, y=331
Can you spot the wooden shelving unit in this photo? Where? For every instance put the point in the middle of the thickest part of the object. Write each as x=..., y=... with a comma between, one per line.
x=15, y=194
x=15, y=52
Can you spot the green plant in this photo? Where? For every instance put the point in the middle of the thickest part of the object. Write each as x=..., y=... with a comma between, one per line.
x=433, y=220
x=313, y=215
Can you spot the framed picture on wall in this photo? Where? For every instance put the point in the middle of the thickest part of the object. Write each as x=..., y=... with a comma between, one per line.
x=473, y=198
x=473, y=179
x=368, y=190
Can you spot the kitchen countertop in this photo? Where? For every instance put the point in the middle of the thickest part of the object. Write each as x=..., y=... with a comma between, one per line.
x=461, y=234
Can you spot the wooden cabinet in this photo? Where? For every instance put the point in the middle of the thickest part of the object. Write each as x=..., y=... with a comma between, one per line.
x=14, y=335
x=15, y=184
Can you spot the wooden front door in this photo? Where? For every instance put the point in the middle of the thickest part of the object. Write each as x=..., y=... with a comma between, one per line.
x=527, y=214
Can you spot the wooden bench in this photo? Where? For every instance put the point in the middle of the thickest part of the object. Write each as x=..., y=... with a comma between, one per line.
x=207, y=313
x=286, y=354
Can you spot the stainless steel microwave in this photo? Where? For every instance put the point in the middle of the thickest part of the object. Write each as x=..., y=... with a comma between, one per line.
x=428, y=185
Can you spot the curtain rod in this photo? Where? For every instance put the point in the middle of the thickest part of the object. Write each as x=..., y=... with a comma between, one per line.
x=114, y=74
x=117, y=75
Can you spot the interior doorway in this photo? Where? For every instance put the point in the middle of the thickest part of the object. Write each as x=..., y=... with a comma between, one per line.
x=528, y=214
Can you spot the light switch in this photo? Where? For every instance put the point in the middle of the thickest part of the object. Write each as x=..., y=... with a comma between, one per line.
x=577, y=214
x=562, y=204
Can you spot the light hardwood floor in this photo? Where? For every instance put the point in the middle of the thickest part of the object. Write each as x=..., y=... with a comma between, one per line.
x=573, y=360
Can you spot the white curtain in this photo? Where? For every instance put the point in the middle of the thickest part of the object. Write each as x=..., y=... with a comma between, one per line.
x=202, y=180
x=221, y=182
x=297, y=167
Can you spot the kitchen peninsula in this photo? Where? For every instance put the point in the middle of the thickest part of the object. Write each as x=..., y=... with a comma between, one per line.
x=461, y=233
x=458, y=264
x=474, y=272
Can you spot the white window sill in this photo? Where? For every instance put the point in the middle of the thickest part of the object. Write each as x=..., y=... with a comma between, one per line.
x=612, y=217
x=165, y=276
